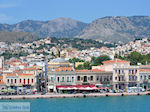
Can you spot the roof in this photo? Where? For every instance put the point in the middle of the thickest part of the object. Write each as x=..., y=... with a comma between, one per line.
x=116, y=61
x=29, y=68
x=93, y=70
x=11, y=74
x=144, y=70
x=25, y=74
x=65, y=69
x=58, y=60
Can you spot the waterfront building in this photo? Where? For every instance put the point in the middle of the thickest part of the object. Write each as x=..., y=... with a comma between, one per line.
x=19, y=81
x=93, y=77
x=124, y=75
x=2, y=83
x=61, y=76
x=145, y=76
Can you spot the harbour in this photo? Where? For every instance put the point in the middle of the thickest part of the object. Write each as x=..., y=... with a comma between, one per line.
x=90, y=104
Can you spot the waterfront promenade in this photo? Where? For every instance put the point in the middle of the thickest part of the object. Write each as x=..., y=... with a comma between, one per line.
x=38, y=96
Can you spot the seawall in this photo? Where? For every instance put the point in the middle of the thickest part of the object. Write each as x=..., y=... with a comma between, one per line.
x=37, y=96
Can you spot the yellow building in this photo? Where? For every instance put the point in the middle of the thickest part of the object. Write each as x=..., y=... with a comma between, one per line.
x=16, y=80
x=78, y=63
x=58, y=62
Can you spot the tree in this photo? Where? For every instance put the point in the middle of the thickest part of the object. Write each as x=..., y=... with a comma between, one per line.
x=87, y=65
x=73, y=60
x=135, y=57
x=98, y=60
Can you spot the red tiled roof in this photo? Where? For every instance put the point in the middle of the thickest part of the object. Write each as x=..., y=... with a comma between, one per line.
x=65, y=69
x=25, y=74
x=93, y=70
x=144, y=70
x=11, y=74
x=29, y=69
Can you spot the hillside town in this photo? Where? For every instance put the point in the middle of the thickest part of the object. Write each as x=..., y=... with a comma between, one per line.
x=44, y=67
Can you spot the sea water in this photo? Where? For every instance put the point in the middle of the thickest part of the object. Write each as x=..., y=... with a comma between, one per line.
x=91, y=104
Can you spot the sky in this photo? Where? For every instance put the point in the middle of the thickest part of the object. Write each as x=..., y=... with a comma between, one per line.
x=13, y=11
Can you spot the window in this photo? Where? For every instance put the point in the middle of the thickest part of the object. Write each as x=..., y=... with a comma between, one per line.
x=20, y=80
x=130, y=77
x=24, y=81
x=110, y=77
x=97, y=78
x=115, y=78
x=7, y=80
x=135, y=71
x=28, y=81
x=119, y=71
x=132, y=71
x=51, y=79
x=122, y=71
x=63, y=79
x=119, y=78
x=123, y=78
x=115, y=71
x=149, y=77
x=141, y=77
x=91, y=78
x=145, y=77
x=129, y=71
x=58, y=79
x=72, y=79
x=78, y=78
x=11, y=81
x=67, y=79
x=32, y=80
x=15, y=81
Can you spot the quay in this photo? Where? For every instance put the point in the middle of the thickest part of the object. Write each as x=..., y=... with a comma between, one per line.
x=38, y=96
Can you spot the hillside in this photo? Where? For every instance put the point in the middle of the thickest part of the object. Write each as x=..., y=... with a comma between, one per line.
x=117, y=28
x=6, y=36
x=60, y=27
x=113, y=28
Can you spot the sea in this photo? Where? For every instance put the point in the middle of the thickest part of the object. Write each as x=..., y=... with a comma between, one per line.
x=88, y=104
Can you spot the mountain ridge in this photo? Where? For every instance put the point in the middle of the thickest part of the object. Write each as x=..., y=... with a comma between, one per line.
x=109, y=28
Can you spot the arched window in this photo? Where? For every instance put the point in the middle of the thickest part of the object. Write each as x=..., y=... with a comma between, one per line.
x=58, y=79
x=32, y=80
x=28, y=81
x=63, y=79
x=72, y=79
x=115, y=78
x=7, y=80
x=119, y=71
x=11, y=81
x=15, y=81
x=91, y=78
x=67, y=79
x=24, y=81
x=78, y=78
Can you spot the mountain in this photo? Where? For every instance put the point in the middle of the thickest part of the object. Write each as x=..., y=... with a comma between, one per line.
x=17, y=36
x=60, y=27
x=117, y=28
x=111, y=28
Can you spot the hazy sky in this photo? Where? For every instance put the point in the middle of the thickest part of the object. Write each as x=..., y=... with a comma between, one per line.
x=13, y=11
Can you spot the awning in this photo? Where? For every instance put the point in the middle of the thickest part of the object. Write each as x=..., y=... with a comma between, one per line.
x=79, y=87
